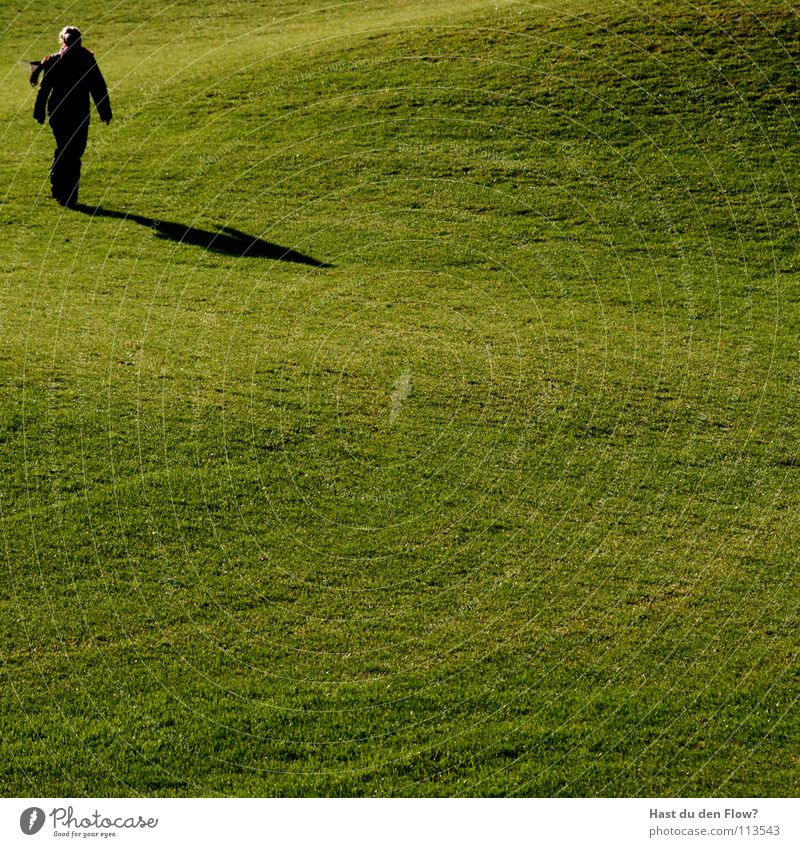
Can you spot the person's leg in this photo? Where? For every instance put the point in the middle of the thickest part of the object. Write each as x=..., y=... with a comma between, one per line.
x=65, y=174
x=57, y=169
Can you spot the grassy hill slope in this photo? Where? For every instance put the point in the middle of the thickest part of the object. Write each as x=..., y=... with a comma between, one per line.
x=411, y=410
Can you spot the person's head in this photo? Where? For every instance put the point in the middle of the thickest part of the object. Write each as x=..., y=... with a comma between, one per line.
x=70, y=36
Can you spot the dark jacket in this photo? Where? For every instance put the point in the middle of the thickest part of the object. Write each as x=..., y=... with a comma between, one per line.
x=68, y=78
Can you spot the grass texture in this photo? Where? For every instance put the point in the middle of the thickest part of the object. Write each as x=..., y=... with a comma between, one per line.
x=411, y=410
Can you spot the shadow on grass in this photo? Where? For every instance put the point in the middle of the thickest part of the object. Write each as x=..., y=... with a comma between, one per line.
x=227, y=240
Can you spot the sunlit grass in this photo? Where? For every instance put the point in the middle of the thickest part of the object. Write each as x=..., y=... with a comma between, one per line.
x=499, y=497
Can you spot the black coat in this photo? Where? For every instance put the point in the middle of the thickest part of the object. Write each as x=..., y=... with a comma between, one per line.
x=68, y=78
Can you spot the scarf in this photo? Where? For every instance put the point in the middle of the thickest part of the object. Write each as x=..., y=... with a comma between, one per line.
x=38, y=67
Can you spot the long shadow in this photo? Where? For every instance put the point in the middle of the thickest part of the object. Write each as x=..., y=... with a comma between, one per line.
x=230, y=241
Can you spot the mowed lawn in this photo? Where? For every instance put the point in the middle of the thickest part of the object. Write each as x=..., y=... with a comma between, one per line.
x=412, y=408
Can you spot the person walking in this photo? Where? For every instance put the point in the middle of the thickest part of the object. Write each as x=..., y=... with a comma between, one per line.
x=69, y=77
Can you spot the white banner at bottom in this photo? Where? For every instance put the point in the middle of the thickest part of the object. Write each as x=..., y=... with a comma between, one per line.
x=385, y=823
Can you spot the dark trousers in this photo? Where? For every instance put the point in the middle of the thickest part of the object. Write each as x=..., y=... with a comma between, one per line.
x=65, y=175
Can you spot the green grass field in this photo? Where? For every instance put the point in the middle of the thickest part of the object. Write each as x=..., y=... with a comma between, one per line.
x=477, y=475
